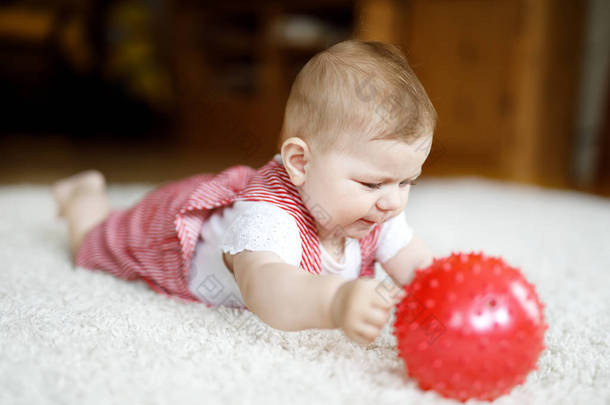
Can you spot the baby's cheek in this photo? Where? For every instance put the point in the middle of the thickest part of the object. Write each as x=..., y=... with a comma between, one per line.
x=359, y=206
x=406, y=197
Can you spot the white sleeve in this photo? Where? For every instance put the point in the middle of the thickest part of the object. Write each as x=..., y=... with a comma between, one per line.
x=264, y=226
x=395, y=234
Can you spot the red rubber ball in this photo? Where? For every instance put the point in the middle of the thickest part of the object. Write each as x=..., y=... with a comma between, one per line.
x=470, y=326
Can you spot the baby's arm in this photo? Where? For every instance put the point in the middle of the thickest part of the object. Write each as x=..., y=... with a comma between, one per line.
x=284, y=296
x=414, y=255
x=289, y=298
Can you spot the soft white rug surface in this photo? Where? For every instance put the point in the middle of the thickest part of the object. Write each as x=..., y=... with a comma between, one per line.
x=73, y=336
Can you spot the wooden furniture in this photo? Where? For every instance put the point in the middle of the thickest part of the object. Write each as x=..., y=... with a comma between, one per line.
x=234, y=63
x=503, y=76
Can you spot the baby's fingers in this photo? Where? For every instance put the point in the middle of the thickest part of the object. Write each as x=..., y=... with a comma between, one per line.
x=399, y=296
x=388, y=301
x=366, y=333
x=377, y=317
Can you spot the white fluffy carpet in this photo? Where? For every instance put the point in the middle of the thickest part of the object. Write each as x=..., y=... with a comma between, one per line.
x=73, y=336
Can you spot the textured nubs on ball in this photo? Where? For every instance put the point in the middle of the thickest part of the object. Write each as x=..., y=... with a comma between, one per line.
x=471, y=326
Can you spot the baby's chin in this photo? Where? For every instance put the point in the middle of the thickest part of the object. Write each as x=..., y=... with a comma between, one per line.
x=358, y=229
x=354, y=230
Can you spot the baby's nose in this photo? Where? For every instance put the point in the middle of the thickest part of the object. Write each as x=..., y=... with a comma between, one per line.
x=389, y=201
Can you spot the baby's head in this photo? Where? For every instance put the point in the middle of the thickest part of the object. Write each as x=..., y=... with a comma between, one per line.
x=354, y=91
x=356, y=116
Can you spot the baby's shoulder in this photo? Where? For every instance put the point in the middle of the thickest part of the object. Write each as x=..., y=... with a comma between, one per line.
x=261, y=210
x=263, y=227
x=260, y=217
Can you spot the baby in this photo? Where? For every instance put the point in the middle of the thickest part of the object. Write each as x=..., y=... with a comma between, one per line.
x=296, y=240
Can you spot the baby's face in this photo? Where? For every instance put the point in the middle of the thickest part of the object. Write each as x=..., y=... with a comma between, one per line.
x=348, y=192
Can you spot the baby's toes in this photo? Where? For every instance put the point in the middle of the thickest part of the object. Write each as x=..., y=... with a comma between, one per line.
x=91, y=180
x=63, y=190
x=60, y=191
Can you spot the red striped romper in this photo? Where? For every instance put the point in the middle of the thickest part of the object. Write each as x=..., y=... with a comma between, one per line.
x=155, y=239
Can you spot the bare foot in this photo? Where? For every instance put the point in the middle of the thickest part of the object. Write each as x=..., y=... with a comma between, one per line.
x=66, y=189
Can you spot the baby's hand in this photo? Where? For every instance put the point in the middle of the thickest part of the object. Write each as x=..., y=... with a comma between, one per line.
x=361, y=309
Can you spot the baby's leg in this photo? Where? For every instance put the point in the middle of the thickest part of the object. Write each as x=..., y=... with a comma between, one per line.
x=82, y=200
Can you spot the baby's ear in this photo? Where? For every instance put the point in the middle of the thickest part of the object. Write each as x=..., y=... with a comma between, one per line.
x=295, y=155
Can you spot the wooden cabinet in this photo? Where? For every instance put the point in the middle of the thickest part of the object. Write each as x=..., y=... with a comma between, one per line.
x=503, y=76
x=234, y=64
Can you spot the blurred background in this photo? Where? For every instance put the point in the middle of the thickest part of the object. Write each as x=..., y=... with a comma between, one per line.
x=154, y=90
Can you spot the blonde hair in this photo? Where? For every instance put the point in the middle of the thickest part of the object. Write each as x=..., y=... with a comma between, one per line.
x=361, y=88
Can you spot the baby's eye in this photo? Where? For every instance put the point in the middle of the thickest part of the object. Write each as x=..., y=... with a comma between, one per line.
x=371, y=186
x=408, y=182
